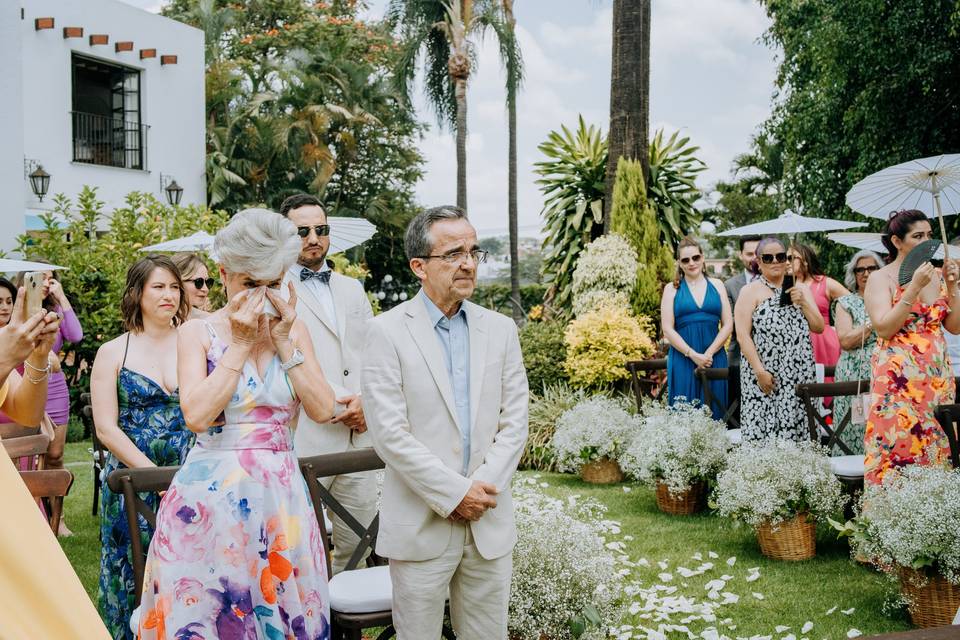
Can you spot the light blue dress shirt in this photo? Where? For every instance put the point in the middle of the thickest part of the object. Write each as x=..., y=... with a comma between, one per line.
x=454, y=337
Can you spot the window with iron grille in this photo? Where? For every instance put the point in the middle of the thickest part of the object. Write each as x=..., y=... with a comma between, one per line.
x=107, y=125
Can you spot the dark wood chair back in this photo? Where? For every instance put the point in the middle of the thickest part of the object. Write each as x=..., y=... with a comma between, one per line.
x=818, y=423
x=97, y=451
x=334, y=464
x=52, y=484
x=10, y=430
x=720, y=405
x=130, y=483
x=948, y=415
x=26, y=446
x=642, y=380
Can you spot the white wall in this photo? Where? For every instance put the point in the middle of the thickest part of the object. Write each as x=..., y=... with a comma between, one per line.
x=172, y=99
x=11, y=129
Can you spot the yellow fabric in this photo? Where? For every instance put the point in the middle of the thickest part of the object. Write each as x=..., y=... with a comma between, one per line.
x=40, y=595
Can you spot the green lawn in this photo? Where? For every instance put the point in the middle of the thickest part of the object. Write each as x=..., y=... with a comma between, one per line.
x=793, y=593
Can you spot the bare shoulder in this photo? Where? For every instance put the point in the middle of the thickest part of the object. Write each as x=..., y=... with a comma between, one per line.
x=718, y=283
x=109, y=354
x=669, y=289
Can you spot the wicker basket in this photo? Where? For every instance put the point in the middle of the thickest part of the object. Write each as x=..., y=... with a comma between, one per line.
x=602, y=471
x=793, y=539
x=687, y=502
x=932, y=600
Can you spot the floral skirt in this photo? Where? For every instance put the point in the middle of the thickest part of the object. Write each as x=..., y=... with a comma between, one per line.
x=237, y=552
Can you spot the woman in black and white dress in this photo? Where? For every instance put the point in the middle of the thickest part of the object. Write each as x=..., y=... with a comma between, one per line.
x=776, y=352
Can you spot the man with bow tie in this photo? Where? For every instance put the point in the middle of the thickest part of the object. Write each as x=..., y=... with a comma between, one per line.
x=335, y=310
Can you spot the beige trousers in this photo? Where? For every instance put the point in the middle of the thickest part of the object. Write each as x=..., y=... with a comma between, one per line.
x=479, y=592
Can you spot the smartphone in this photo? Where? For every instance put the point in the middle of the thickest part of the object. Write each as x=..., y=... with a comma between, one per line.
x=33, y=292
x=785, y=293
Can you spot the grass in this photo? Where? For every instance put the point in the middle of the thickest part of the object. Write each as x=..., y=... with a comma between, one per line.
x=793, y=592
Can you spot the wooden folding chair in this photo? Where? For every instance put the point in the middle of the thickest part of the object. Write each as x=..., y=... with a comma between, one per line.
x=130, y=483
x=27, y=447
x=645, y=386
x=729, y=411
x=97, y=452
x=360, y=598
x=948, y=415
x=53, y=485
x=849, y=468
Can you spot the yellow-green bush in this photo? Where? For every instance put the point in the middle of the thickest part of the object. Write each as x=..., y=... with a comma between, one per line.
x=600, y=342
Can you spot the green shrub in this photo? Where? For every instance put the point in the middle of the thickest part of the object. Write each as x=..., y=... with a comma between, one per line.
x=76, y=432
x=543, y=353
x=545, y=408
x=497, y=296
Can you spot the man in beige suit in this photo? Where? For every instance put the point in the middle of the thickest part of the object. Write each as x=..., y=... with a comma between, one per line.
x=445, y=393
x=335, y=310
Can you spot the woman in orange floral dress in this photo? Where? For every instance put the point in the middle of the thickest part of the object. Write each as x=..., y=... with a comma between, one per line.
x=911, y=368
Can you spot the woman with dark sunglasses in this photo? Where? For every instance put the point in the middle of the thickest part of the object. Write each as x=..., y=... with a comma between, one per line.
x=857, y=339
x=196, y=282
x=775, y=349
x=696, y=320
x=911, y=366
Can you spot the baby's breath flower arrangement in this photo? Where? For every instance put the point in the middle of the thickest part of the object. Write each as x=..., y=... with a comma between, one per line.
x=566, y=581
x=608, y=264
x=595, y=430
x=773, y=481
x=681, y=447
x=910, y=526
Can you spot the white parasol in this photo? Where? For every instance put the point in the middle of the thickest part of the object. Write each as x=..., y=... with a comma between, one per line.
x=8, y=265
x=791, y=223
x=345, y=233
x=917, y=184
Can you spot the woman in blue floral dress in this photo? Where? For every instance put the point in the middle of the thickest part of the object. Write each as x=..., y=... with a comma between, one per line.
x=136, y=410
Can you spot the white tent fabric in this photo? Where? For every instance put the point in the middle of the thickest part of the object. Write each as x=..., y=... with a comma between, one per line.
x=8, y=265
x=791, y=223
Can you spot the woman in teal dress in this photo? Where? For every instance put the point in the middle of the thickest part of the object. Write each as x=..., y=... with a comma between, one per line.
x=136, y=411
x=857, y=340
x=696, y=321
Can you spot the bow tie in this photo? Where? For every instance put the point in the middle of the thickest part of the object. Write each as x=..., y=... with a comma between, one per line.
x=322, y=276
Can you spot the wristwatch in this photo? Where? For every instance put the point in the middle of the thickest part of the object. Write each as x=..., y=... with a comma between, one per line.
x=295, y=359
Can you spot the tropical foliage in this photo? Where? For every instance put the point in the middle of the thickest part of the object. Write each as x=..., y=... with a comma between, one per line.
x=571, y=179
x=672, y=186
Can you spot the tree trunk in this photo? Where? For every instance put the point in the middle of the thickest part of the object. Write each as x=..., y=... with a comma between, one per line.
x=461, y=93
x=629, y=92
x=512, y=187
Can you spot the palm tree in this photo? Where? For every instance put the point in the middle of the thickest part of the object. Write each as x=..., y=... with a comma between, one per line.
x=510, y=54
x=629, y=92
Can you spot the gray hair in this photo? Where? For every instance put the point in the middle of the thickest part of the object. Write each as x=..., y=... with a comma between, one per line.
x=258, y=242
x=849, y=278
x=417, y=241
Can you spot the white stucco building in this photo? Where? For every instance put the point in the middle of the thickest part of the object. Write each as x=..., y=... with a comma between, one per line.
x=99, y=93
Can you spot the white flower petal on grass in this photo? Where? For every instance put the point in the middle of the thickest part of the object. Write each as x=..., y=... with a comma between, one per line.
x=697, y=556
x=687, y=573
x=854, y=633
x=758, y=596
x=643, y=562
x=807, y=626
x=627, y=489
x=665, y=577
x=663, y=564
x=753, y=576
x=789, y=636
x=848, y=612
x=780, y=628
x=830, y=612
x=732, y=560
x=730, y=598
x=715, y=585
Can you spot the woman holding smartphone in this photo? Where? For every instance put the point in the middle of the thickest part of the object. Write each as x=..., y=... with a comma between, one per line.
x=237, y=551
x=775, y=349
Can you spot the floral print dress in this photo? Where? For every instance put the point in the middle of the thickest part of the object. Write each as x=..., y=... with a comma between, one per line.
x=912, y=375
x=151, y=418
x=854, y=364
x=237, y=554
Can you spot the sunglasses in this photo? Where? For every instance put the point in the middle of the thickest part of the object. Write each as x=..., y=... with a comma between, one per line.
x=770, y=258
x=862, y=270
x=690, y=259
x=199, y=282
x=320, y=230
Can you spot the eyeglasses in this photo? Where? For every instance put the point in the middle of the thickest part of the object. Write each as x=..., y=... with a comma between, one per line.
x=199, y=282
x=770, y=258
x=479, y=256
x=690, y=259
x=862, y=270
x=321, y=230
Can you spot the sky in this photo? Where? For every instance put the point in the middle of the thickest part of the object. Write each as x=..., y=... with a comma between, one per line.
x=711, y=78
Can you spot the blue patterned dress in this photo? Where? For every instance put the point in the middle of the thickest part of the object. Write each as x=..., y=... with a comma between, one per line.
x=151, y=418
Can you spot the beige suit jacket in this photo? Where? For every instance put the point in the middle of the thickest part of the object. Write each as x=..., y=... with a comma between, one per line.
x=338, y=350
x=412, y=417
